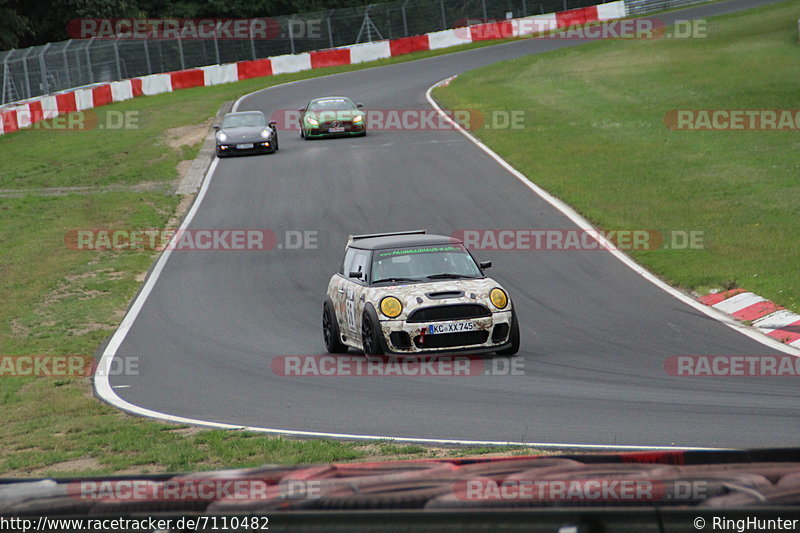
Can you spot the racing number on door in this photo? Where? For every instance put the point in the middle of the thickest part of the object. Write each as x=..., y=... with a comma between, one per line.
x=350, y=309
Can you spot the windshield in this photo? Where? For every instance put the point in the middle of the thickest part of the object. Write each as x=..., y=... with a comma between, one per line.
x=332, y=104
x=450, y=261
x=249, y=120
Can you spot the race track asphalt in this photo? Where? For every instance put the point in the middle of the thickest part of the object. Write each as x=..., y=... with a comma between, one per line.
x=595, y=335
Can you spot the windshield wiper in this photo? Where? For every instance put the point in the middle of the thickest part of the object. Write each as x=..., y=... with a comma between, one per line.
x=395, y=279
x=450, y=276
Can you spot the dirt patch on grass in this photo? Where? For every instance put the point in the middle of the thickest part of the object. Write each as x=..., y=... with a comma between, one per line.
x=190, y=431
x=376, y=452
x=75, y=465
x=190, y=135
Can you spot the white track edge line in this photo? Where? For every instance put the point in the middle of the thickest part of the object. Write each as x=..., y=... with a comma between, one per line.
x=585, y=225
x=106, y=392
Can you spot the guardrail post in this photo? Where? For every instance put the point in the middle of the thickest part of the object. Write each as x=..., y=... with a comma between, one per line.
x=252, y=41
x=444, y=17
x=291, y=32
x=116, y=57
x=369, y=23
x=89, y=59
x=147, y=57
x=330, y=28
x=6, y=74
x=43, y=69
x=180, y=52
x=216, y=43
x=66, y=63
x=485, y=16
x=26, y=73
x=405, y=21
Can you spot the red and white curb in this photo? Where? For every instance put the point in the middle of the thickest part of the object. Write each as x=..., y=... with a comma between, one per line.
x=21, y=115
x=767, y=317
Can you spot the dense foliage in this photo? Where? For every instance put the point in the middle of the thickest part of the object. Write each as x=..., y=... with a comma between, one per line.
x=30, y=22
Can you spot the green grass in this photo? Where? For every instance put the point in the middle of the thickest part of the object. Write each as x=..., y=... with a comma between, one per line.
x=58, y=301
x=595, y=136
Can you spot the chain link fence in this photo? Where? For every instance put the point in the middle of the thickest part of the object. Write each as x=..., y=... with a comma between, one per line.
x=63, y=65
x=640, y=7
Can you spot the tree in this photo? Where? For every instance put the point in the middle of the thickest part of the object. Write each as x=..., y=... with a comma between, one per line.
x=13, y=25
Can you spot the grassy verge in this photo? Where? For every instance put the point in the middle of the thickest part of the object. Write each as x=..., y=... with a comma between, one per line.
x=595, y=136
x=58, y=301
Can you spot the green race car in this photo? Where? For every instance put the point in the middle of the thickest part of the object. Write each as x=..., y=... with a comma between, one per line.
x=332, y=116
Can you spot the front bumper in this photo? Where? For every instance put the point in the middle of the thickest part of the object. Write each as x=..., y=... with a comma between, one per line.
x=491, y=334
x=259, y=147
x=322, y=131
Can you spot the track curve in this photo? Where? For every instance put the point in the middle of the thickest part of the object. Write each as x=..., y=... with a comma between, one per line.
x=595, y=334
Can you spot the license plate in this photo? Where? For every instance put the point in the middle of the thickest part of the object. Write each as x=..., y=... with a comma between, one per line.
x=244, y=146
x=450, y=327
x=338, y=129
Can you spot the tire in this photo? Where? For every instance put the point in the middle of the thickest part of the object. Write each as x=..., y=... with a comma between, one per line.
x=275, y=149
x=514, y=336
x=370, y=336
x=330, y=331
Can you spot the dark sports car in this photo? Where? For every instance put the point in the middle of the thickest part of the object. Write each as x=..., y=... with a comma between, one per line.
x=246, y=132
x=332, y=116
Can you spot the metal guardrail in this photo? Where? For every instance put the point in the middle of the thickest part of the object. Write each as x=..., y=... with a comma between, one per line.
x=63, y=65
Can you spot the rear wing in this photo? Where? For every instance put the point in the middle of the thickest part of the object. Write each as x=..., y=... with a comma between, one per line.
x=371, y=235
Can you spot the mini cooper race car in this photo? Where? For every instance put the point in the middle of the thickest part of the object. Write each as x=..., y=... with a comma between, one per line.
x=332, y=116
x=411, y=293
x=246, y=132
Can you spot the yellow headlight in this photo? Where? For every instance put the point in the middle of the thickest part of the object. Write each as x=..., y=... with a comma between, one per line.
x=391, y=307
x=312, y=121
x=498, y=298
x=357, y=119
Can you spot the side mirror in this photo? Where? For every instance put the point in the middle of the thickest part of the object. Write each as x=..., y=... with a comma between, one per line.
x=359, y=105
x=485, y=264
x=356, y=274
x=215, y=127
x=272, y=123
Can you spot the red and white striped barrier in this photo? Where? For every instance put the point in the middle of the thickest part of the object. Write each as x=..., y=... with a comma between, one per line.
x=24, y=114
x=766, y=316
